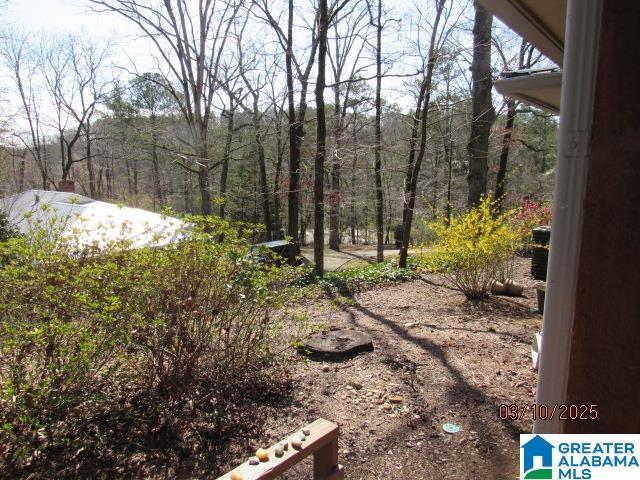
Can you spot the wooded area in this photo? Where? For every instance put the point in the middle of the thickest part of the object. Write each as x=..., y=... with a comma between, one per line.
x=402, y=123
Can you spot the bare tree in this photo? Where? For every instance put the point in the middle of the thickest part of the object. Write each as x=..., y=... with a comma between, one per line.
x=190, y=43
x=278, y=101
x=73, y=74
x=294, y=69
x=321, y=139
x=419, y=126
x=255, y=83
x=22, y=61
x=325, y=17
x=377, y=23
x=483, y=115
x=525, y=60
x=349, y=40
x=229, y=114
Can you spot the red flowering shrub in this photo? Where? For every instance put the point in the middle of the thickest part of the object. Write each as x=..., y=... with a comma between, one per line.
x=530, y=215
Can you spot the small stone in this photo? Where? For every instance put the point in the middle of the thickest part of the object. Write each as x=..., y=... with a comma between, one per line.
x=235, y=476
x=306, y=431
x=297, y=444
x=387, y=406
x=254, y=461
x=302, y=437
x=326, y=368
x=262, y=454
x=279, y=451
x=356, y=385
x=395, y=399
x=285, y=446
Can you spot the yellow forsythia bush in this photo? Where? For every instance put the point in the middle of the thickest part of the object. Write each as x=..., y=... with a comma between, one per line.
x=473, y=249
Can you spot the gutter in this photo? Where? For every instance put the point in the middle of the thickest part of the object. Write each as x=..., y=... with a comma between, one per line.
x=578, y=91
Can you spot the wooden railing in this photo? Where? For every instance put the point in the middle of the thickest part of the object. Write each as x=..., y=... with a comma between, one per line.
x=321, y=442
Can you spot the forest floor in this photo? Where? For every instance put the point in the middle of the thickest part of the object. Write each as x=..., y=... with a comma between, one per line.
x=349, y=255
x=437, y=359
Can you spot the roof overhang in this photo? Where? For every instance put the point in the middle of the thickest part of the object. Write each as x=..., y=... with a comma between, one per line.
x=540, y=22
x=538, y=88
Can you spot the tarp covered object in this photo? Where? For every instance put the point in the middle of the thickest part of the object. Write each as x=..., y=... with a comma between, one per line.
x=88, y=221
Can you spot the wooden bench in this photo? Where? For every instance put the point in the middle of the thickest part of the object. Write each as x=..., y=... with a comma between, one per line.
x=322, y=443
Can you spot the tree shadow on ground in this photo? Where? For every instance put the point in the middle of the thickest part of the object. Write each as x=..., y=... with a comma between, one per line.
x=461, y=389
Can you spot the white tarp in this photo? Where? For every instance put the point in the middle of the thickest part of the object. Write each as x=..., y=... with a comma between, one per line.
x=90, y=222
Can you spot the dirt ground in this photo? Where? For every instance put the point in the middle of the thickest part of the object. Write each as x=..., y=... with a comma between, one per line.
x=349, y=255
x=437, y=359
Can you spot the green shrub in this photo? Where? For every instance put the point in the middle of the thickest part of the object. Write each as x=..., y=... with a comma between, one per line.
x=473, y=249
x=63, y=322
x=351, y=280
x=208, y=311
x=7, y=230
x=80, y=326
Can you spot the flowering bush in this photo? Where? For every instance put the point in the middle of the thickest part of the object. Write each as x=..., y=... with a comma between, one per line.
x=474, y=248
x=530, y=215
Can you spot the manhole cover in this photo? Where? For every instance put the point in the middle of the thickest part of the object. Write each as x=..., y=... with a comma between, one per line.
x=338, y=343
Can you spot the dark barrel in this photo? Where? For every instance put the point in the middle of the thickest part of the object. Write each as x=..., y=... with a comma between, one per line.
x=540, y=257
x=398, y=233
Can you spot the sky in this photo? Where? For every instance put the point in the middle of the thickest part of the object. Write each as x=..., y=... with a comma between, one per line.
x=61, y=16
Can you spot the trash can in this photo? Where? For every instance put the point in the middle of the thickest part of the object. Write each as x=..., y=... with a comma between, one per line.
x=540, y=257
x=398, y=234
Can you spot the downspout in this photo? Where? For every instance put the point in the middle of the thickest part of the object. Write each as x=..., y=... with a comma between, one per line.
x=576, y=114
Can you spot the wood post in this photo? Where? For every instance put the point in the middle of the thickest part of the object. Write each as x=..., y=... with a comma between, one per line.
x=325, y=462
x=322, y=443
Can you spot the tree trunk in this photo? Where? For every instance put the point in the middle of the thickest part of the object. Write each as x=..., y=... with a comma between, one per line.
x=295, y=130
x=321, y=137
x=129, y=177
x=354, y=238
x=109, y=177
x=483, y=114
x=93, y=190
x=449, y=154
x=504, y=155
x=135, y=182
x=277, y=220
x=226, y=154
x=157, y=183
x=378, y=146
x=448, y=146
x=336, y=166
x=203, y=186
x=264, y=184
x=186, y=192
x=419, y=122
x=21, y=169
x=336, y=163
